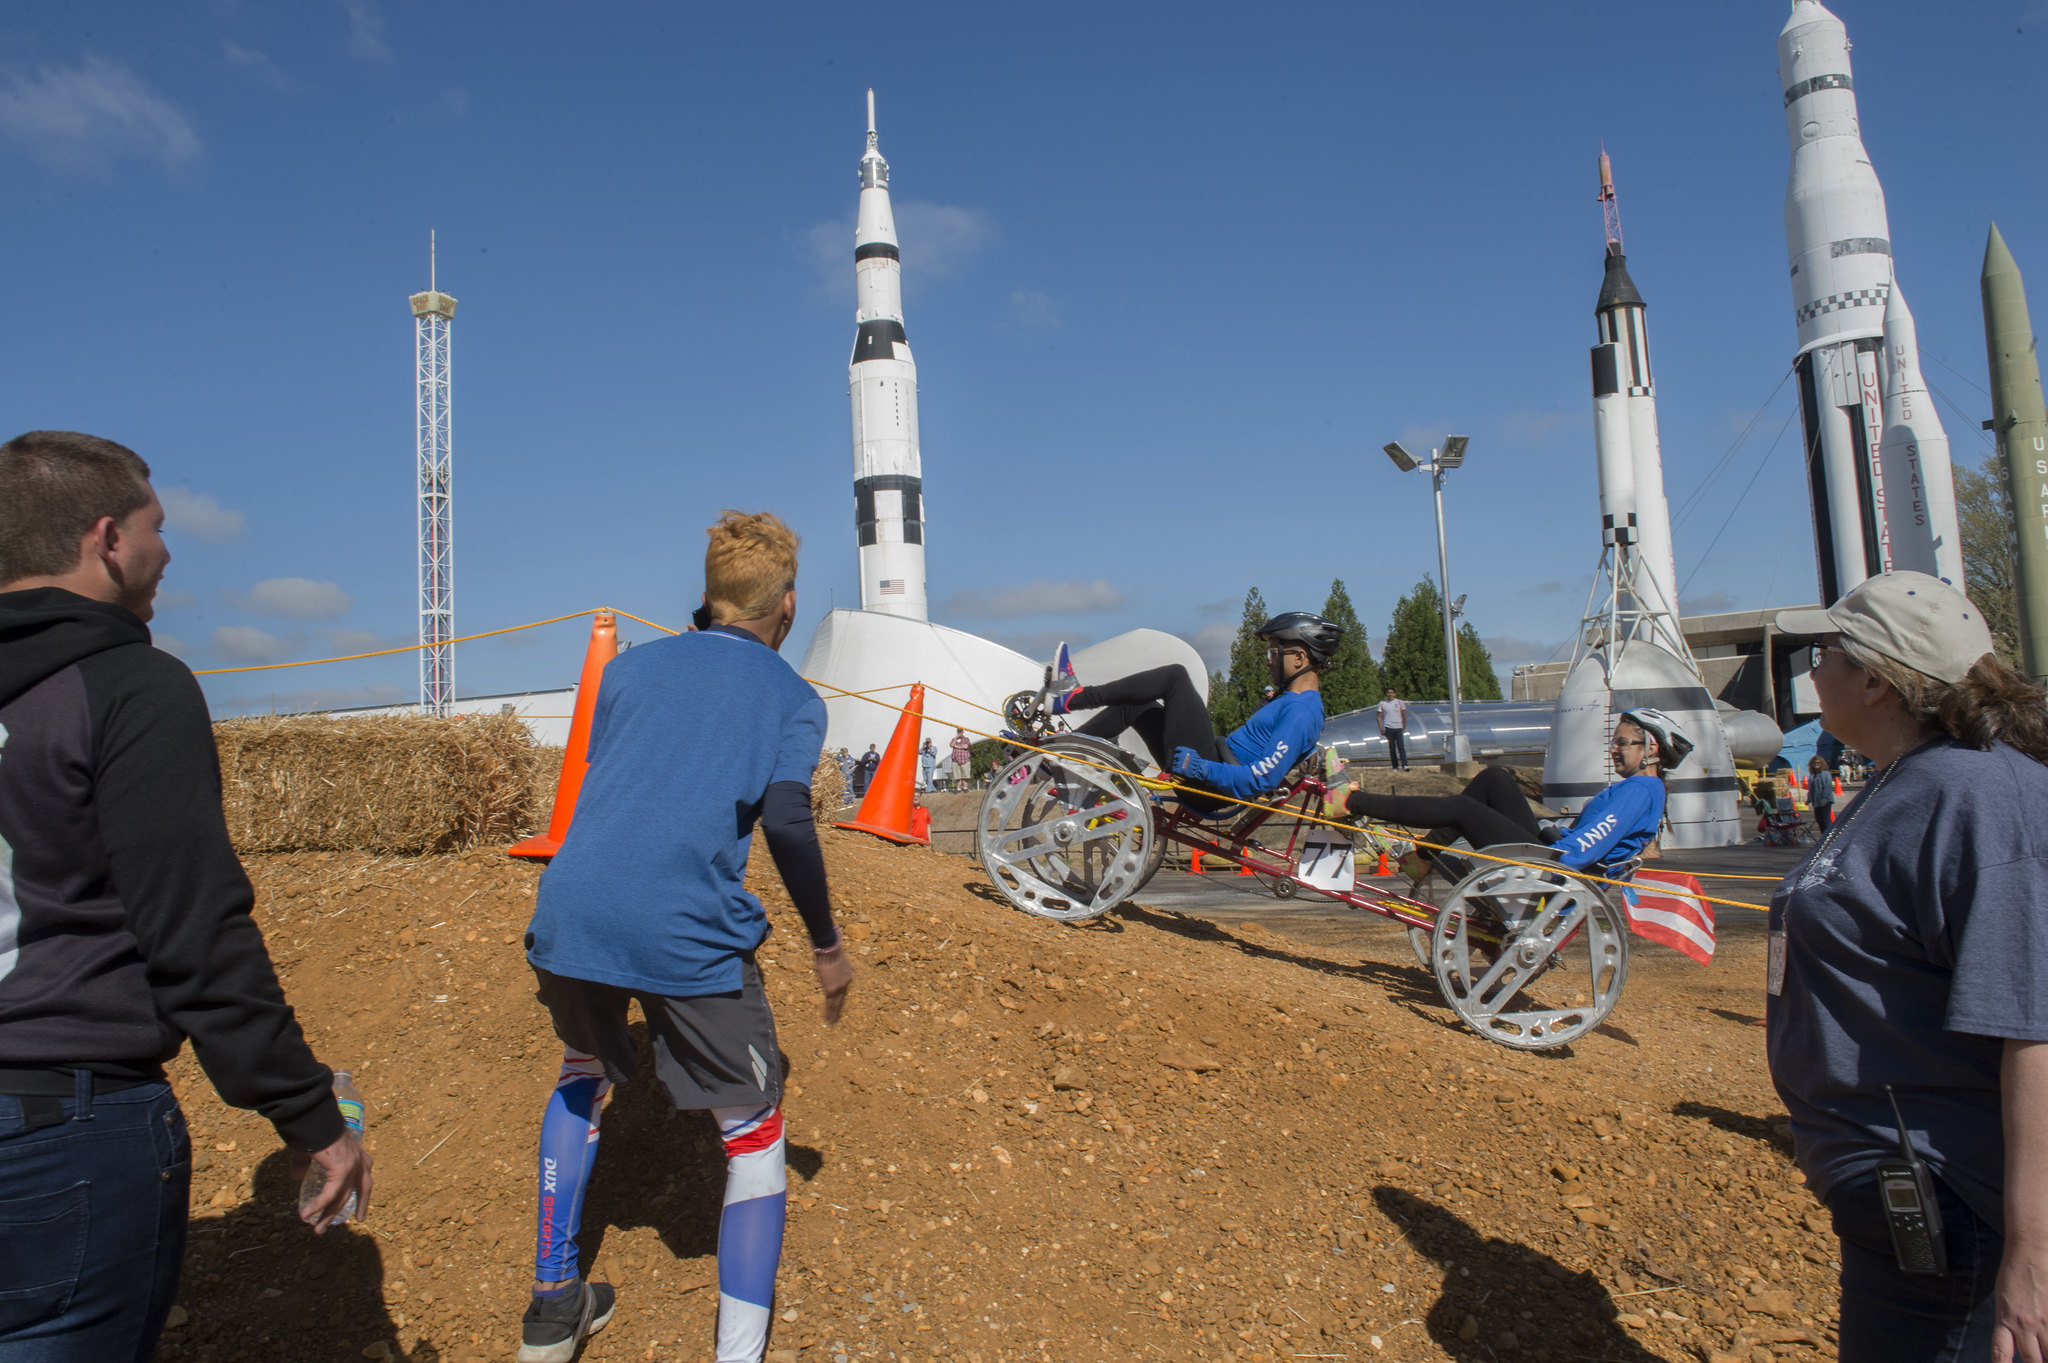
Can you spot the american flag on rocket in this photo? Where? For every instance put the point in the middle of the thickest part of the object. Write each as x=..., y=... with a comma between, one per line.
x=1667, y=907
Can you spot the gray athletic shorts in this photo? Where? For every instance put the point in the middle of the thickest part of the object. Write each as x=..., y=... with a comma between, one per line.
x=710, y=1050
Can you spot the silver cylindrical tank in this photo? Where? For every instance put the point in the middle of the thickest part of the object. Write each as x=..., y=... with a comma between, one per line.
x=1752, y=739
x=1701, y=810
x=1497, y=730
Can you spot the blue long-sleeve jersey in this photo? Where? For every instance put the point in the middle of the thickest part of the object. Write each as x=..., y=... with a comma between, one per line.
x=1269, y=743
x=1615, y=824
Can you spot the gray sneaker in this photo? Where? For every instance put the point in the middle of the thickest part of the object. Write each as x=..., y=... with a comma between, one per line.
x=554, y=1327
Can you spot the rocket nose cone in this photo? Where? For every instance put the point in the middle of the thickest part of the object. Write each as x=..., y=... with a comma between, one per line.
x=1805, y=12
x=1997, y=259
x=1616, y=288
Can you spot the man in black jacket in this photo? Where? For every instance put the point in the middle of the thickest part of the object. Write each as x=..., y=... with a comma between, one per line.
x=125, y=923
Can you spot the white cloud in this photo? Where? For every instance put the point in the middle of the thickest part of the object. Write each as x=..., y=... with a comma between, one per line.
x=1034, y=311
x=1039, y=643
x=248, y=644
x=366, y=30
x=1423, y=436
x=84, y=117
x=173, y=599
x=317, y=698
x=1213, y=643
x=295, y=598
x=1711, y=603
x=256, y=64
x=1034, y=598
x=197, y=514
x=358, y=640
x=1529, y=428
x=171, y=643
x=936, y=240
x=1506, y=651
x=1540, y=589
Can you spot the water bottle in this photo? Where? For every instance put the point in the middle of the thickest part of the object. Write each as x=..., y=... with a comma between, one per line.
x=351, y=1103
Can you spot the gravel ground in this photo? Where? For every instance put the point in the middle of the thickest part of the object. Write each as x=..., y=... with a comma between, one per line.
x=1156, y=1136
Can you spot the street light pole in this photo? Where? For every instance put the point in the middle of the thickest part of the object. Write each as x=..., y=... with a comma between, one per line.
x=1460, y=749
x=1442, y=461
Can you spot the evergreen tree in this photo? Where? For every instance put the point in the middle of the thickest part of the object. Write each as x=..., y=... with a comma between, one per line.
x=1232, y=698
x=1352, y=680
x=1412, y=662
x=1984, y=508
x=1475, y=667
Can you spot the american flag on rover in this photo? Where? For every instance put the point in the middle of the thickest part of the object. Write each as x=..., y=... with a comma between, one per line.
x=1666, y=907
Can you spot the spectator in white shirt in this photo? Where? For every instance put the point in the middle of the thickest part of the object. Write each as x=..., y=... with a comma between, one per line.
x=1394, y=728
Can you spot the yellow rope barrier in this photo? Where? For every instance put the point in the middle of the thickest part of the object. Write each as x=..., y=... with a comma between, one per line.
x=1301, y=816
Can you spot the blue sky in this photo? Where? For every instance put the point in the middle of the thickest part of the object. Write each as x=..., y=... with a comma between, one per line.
x=1173, y=276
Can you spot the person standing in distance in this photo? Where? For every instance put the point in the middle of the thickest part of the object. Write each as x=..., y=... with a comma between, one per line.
x=963, y=755
x=1393, y=712
x=125, y=924
x=927, y=766
x=646, y=901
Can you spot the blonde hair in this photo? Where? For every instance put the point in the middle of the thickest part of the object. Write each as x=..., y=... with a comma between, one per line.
x=750, y=563
x=1991, y=703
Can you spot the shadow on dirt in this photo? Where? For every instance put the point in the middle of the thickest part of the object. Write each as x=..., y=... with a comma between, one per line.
x=664, y=1170
x=1496, y=1283
x=258, y=1284
x=1774, y=1131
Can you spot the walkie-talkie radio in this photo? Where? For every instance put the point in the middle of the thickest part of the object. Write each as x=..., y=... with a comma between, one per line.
x=1907, y=1186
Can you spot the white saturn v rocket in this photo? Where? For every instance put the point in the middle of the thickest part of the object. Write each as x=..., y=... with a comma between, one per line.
x=1631, y=653
x=889, y=643
x=888, y=482
x=1876, y=456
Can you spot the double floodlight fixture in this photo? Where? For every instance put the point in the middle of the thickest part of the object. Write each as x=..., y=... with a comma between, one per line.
x=1449, y=457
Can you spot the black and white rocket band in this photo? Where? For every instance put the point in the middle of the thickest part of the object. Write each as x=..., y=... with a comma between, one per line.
x=908, y=487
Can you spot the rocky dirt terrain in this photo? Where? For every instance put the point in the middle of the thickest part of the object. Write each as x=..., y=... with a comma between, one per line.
x=1151, y=1137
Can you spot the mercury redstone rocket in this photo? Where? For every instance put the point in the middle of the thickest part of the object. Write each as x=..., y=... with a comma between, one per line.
x=888, y=482
x=1869, y=513
x=1631, y=653
x=1631, y=462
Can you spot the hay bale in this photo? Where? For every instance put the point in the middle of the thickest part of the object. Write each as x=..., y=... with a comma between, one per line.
x=828, y=789
x=392, y=784
x=547, y=774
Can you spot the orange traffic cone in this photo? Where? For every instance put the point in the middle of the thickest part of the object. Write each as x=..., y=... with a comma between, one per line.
x=885, y=809
x=1198, y=863
x=604, y=646
x=1384, y=868
x=1838, y=787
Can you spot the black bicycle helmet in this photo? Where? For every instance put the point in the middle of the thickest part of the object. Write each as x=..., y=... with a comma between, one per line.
x=1311, y=632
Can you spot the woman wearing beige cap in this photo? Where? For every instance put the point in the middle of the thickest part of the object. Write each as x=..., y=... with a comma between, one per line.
x=1909, y=964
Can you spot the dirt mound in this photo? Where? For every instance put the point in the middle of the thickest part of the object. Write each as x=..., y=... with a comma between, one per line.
x=1149, y=1137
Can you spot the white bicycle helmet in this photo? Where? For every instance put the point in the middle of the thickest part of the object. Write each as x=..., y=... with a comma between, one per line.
x=1672, y=744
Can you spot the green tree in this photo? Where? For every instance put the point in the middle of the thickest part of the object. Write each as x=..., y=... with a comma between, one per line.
x=1412, y=661
x=1984, y=510
x=1475, y=667
x=1233, y=697
x=1352, y=680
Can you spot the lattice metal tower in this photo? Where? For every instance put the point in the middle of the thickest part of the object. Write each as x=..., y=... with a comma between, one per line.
x=433, y=315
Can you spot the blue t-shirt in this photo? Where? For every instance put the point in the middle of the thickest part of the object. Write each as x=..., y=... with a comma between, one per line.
x=1915, y=943
x=1267, y=745
x=1615, y=824
x=647, y=892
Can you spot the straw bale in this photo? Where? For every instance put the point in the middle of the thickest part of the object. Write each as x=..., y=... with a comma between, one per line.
x=392, y=784
x=828, y=789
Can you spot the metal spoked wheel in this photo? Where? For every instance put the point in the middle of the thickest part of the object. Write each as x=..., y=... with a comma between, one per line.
x=1531, y=958
x=1068, y=833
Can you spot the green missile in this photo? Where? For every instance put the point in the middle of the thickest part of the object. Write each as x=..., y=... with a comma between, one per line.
x=2021, y=424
